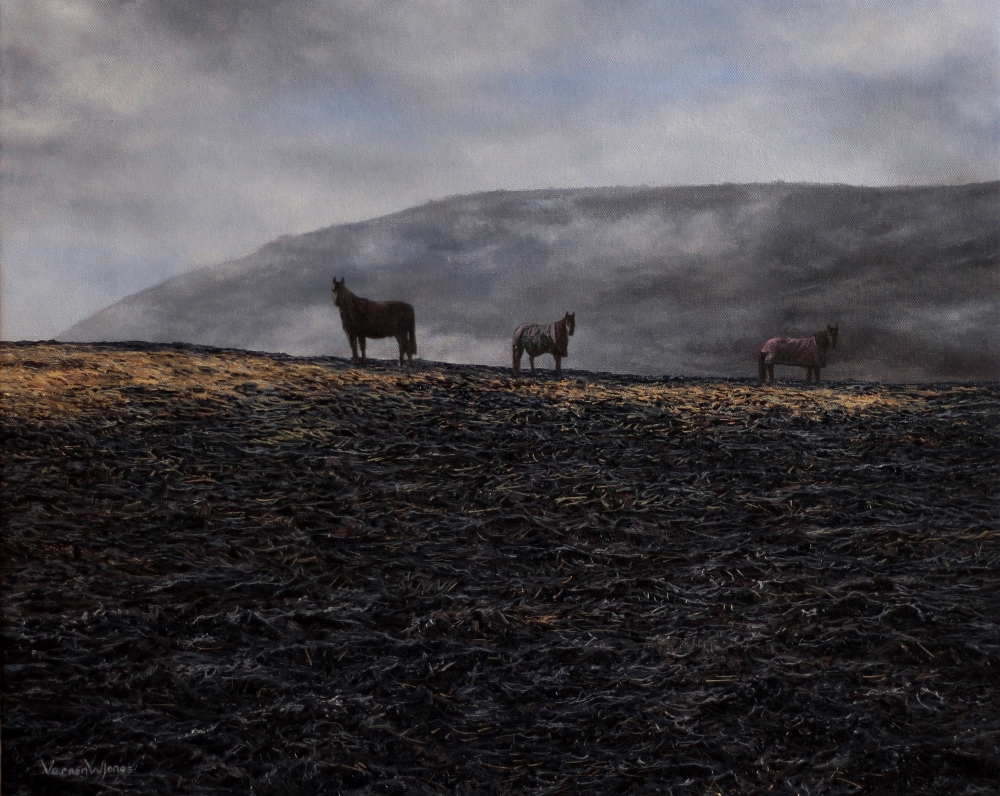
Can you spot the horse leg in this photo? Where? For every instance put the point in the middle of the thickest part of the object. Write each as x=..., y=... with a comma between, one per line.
x=516, y=351
x=558, y=363
x=531, y=359
x=401, y=341
x=770, y=374
x=354, y=348
x=361, y=341
x=761, y=369
x=817, y=374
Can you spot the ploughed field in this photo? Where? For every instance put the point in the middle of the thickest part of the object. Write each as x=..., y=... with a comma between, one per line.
x=225, y=571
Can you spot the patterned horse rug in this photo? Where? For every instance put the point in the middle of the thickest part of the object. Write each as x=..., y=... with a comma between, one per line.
x=535, y=339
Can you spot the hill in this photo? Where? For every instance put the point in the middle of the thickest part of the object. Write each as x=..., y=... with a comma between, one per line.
x=687, y=280
x=229, y=572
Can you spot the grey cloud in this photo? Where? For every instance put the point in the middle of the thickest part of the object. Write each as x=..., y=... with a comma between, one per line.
x=211, y=127
x=921, y=130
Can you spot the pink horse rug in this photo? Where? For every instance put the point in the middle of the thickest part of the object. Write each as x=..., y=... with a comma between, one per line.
x=801, y=351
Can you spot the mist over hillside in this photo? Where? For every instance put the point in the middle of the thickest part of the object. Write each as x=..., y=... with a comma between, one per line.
x=685, y=281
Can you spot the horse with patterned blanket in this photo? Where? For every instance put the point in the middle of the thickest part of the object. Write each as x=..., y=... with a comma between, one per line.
x=536, y=339
x=363, y=318
x=804, y=352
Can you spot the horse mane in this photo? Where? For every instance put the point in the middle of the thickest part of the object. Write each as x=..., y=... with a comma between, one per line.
x=347, y=303
x=355, y=311
x=562, y=329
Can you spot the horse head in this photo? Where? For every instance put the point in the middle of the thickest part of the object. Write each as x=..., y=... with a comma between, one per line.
x=570, y=321
x=339, y=288
x=826, y=339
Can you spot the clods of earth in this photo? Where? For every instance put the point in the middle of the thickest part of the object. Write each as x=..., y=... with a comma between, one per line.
x=227, y=572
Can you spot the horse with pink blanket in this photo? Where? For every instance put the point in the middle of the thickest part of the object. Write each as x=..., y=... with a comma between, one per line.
x=803, y=352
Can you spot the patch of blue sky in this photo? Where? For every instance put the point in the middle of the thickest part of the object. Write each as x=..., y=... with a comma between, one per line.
x=844, y=78
x=374, y=109
x=731, y=74
x=571, y=89
x=565, y=89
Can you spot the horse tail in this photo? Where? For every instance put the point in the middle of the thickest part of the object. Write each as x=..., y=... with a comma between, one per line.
x=516, y=349
x=412, y=333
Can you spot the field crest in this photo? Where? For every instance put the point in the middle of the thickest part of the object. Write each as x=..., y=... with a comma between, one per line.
x=227, y=570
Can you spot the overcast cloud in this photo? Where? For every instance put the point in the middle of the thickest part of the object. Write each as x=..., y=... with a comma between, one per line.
x=141, y=138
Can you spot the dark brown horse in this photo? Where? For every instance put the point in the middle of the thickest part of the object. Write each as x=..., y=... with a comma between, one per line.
x=804, y=352
x=536, y=339
x=363, y=318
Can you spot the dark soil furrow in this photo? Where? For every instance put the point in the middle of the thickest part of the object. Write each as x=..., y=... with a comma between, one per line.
x=228, y=572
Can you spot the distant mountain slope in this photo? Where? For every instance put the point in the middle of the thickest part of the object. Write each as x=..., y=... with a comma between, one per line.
x=687, y=280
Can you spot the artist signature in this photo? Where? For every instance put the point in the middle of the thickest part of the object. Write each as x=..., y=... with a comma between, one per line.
x=86, y=769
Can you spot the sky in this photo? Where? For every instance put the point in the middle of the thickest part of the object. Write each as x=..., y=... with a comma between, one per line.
x=142, y=138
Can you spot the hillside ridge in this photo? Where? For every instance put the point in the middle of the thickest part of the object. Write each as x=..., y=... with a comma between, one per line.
x=679, y=279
